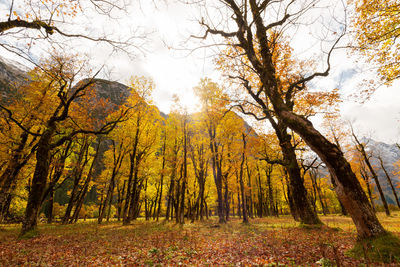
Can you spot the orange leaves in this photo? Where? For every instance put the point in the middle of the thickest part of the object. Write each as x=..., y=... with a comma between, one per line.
x=375, y=25
x=46, y=10
x=309, y=103
x=288, y=70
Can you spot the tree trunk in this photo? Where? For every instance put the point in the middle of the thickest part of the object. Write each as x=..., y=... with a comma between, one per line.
x=348, y=189
x=217, y=172
x=110, y=205
x=133, y=202
x=250, y=202
x=39, y=181
x=161, y=178
x=260, y=196
x=184, y=177
x=226, y=197
x=390, y=182
x=366, y=178
x=50, y=206
x=361, y=148
x=121, y=200
x=298, y=201
x=298, y=192
x=244, y=202
x=268, y=172
x=77, y=174
x=170, y=199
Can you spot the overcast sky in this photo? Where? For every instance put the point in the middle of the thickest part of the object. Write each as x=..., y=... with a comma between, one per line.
x=168, y=58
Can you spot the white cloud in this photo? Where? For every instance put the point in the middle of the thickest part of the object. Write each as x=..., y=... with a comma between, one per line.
x=378, y=117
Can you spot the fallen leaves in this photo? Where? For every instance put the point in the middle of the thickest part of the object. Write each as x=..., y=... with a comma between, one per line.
x=150, y=243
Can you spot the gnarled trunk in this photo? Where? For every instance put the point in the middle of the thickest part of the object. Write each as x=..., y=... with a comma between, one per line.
x=298, y=191
x=348, y=188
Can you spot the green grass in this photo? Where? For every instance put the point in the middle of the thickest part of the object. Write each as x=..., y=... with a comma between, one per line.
x=385, y=248
x=30, y=234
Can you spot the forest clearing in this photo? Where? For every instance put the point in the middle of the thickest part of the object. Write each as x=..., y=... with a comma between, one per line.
x=267, y=241
x=195, y=132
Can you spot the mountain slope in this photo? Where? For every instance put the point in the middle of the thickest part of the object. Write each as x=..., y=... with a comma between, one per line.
x=390, y=154
x=11, y=76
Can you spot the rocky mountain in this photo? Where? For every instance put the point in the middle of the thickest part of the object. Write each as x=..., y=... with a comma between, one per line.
x=390, y=154
x=12, y=74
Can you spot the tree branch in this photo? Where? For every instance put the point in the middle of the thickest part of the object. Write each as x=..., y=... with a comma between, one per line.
x=18, y=23
x=10, y=116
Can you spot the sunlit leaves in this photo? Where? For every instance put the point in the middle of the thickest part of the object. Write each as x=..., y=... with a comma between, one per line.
x=376, y=29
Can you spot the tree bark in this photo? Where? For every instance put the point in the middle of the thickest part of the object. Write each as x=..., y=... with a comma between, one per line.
x=39, y=180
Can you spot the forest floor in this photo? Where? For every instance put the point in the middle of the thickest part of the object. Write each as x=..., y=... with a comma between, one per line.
x=267, y=241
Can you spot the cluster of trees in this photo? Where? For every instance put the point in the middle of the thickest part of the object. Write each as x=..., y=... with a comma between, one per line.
x=42, y=123
x=130, y=160
x=155, y=165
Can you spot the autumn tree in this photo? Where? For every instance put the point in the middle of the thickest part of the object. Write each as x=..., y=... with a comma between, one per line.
x=19, y=150
x=236, y=66
x=213, y=113
x=252, y=33
x=366, y=157
x=200, y=158
x=82, y=161
x=141, y=137
x=29, y=110
x=375, y=28
x=219, y=133
x=59, y=76
x=267, y=150
x=172, y=151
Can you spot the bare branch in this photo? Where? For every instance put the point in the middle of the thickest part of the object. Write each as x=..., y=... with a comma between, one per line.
x=213, y=31
x=105, y=129
x=245, y=112
x=10, y=116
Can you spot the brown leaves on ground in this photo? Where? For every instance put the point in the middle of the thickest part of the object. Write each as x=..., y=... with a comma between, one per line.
x=262, y=242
